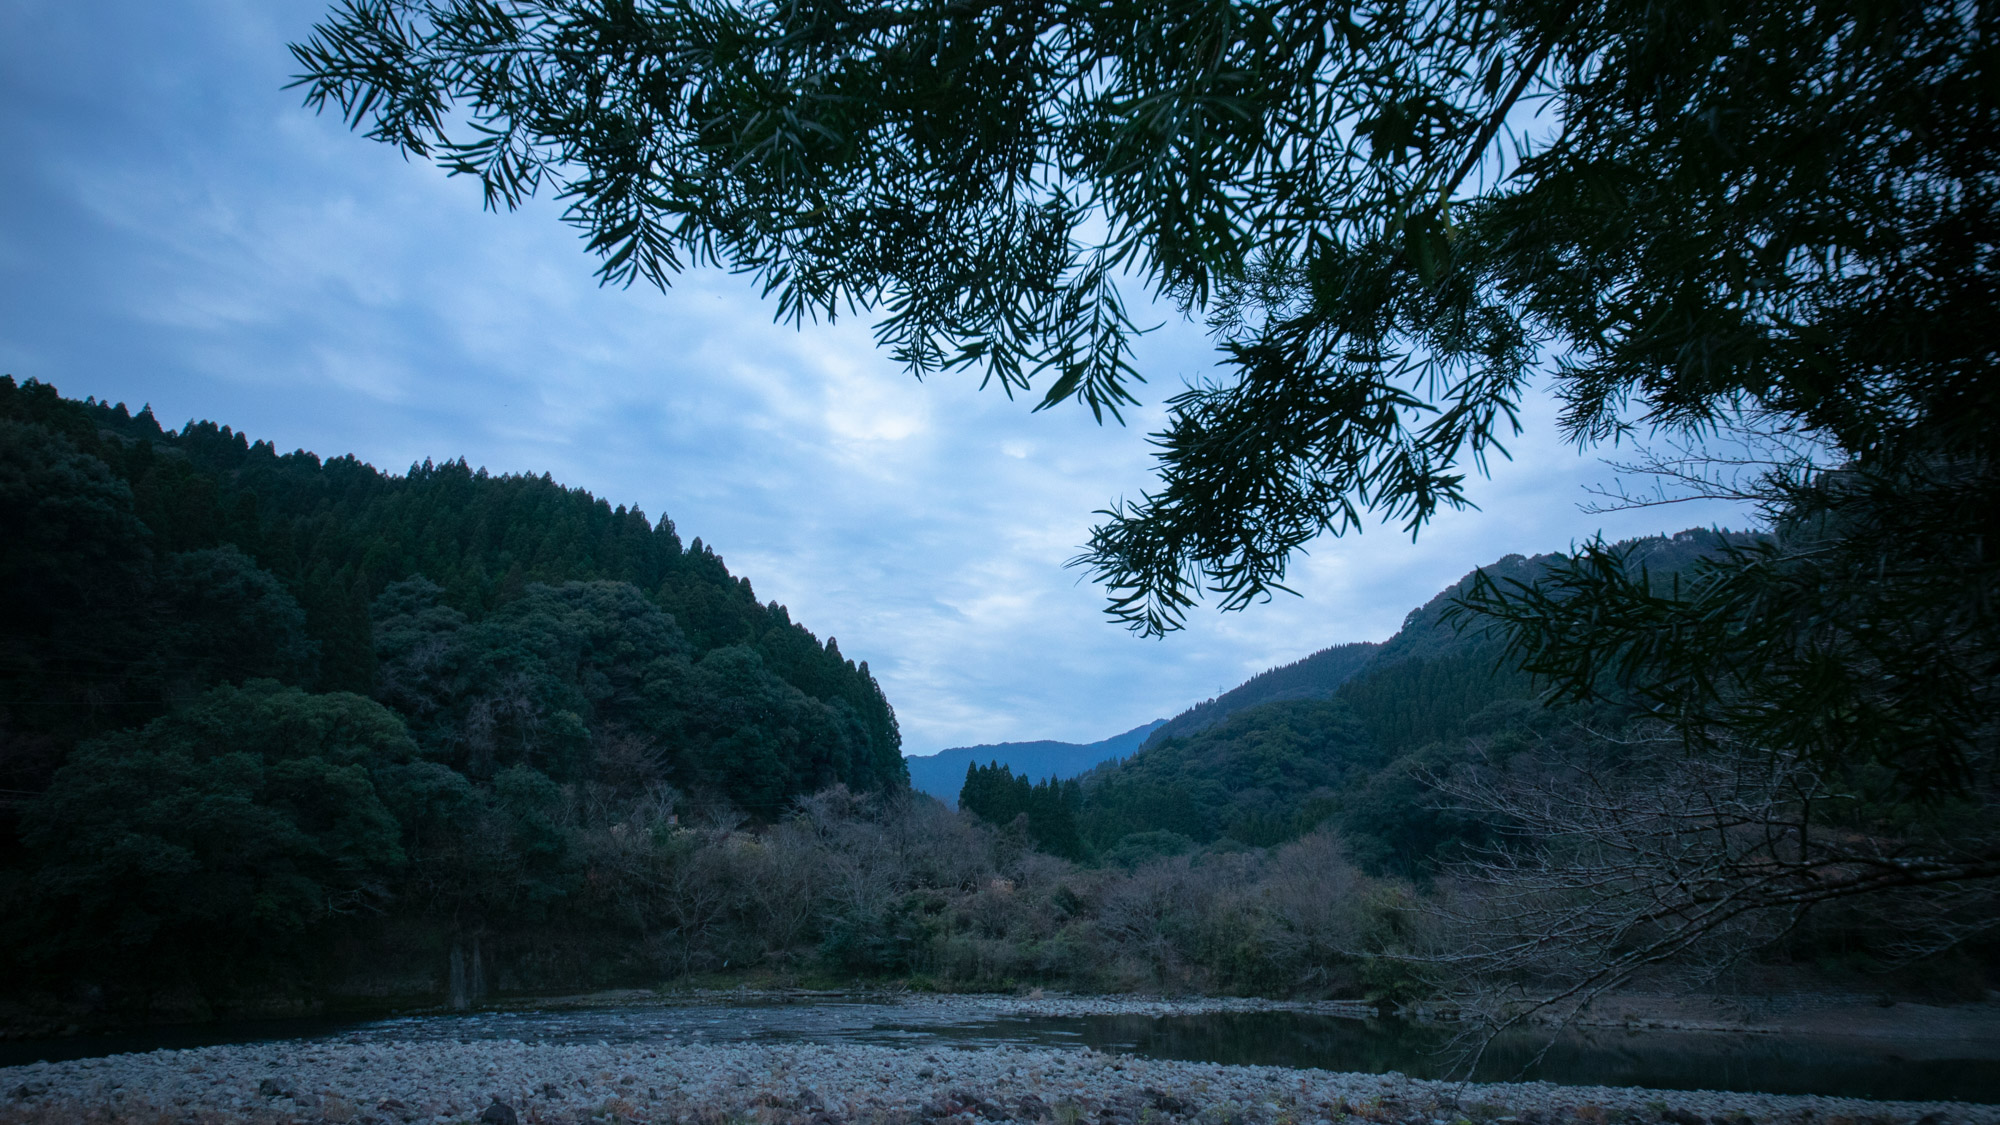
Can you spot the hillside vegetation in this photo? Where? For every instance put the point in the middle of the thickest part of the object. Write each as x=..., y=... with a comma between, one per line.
x=279, y=733
x=1434, y=775
x=1344, y=737
x=267, y=719
x=1312, y=677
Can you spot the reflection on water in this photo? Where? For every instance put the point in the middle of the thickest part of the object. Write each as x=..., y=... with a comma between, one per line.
x=1665, y=1060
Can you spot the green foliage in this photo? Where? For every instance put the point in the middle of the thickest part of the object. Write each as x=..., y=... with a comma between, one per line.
x=1697, y=220
x=1135, y=849
x=174, y=560
x=1390, y=215
x=1313, y=677
x=1051, y=806
x=74, y=570
x=884, y=943
x=1262, y=776
x=1430, y=701
x=71, y=530
x=1414, y=702
x=1391, y=820
x=199, y=804
x=1861, y=634
x=226, y=620
x=227, y=829
x=527, y=684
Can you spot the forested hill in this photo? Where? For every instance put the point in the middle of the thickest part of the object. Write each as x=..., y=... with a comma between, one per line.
x=1311, y=677
x=1352, y=754
x=942, y=774
x=143, y=565
x=266, y=720
x=1423, y=637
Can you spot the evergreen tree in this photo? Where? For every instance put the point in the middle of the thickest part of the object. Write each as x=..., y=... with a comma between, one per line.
x=198, y=557
x=228, y=830
x=200, y=799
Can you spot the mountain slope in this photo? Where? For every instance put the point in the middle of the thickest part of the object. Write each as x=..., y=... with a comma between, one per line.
x=372, y=719
x=151, y=564
x=1354, y=754
x=943, y=773
x=1312, y=677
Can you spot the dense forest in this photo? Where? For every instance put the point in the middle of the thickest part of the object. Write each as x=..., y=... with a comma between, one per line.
x=1312, y=677
x=279, y=733
x=263, y=716
x=1044, y=812
x=1436, y=775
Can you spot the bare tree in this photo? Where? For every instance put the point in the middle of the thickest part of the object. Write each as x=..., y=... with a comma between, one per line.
x=695, y=881
x=1648, y=856
x=1317, y=895
x=783, y=885
x=1749, y=457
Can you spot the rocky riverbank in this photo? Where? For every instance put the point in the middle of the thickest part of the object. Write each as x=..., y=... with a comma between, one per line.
x=1796, y=1012
x=800, y=1084
x=959, y=1007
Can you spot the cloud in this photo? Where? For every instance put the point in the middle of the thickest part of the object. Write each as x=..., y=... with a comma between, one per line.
x=175, y=229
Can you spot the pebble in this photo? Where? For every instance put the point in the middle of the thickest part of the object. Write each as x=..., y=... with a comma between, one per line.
x=838, y=1084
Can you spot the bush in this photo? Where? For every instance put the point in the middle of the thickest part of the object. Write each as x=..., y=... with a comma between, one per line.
x=226, y=831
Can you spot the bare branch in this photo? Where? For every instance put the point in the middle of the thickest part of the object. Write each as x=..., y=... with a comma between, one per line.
x=1750, y=457
x=1629, y=863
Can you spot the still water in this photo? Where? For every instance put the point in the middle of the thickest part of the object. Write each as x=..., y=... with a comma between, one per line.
x=1918, y=1069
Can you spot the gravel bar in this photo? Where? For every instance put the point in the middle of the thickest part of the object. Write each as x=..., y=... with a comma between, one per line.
x=503, y=1081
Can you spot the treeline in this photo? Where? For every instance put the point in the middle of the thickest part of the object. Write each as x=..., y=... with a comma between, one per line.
x=257, y=708
x=864, y=887
x=102, y=505
x=942, y=900
x=1046, y=810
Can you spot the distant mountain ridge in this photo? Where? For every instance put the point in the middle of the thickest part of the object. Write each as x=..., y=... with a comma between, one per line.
x=943, y=773
x=1420, y=684
x=1311, y=677
x=1275, y=761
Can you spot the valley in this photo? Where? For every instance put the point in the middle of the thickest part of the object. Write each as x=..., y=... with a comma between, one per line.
x=298, y=738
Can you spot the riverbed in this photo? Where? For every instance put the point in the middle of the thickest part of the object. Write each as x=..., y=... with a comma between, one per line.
x=883, y=1059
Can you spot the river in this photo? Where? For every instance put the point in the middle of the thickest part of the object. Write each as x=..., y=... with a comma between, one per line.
x=1917, y=1068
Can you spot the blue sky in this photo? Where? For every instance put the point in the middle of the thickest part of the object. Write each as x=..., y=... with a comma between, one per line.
x=175, y=229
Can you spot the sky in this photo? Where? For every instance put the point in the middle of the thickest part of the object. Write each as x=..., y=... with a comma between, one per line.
x=176, y=229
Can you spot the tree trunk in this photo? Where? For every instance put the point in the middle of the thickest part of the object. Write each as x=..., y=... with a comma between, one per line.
x=461, y=997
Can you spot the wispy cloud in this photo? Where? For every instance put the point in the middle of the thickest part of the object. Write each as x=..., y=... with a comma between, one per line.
x=175, y=229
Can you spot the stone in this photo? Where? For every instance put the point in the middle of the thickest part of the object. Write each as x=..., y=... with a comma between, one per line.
x=499, y=1113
